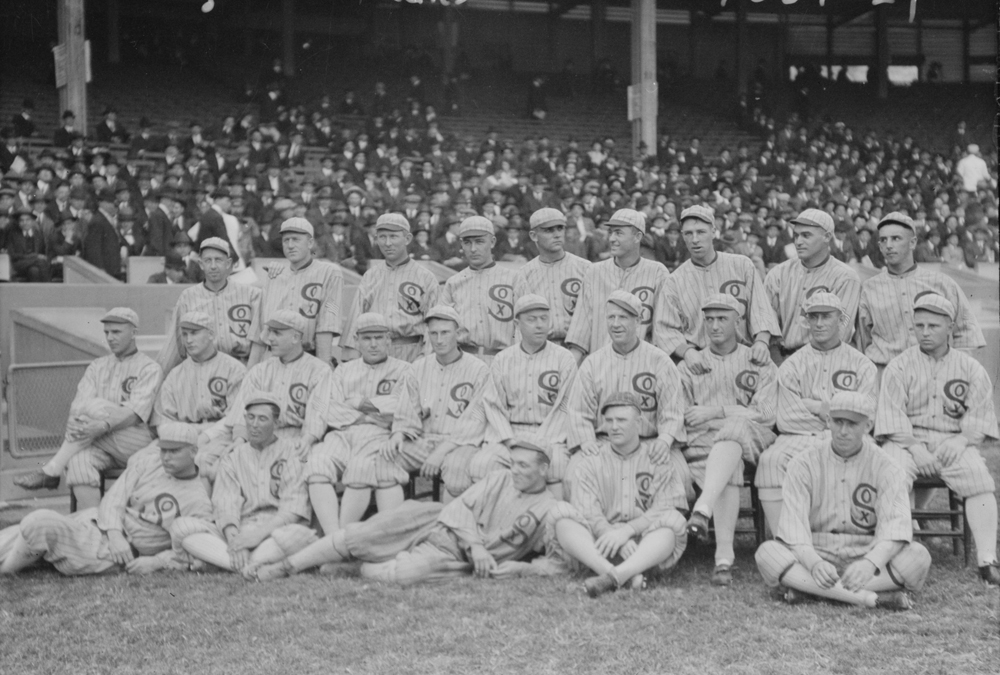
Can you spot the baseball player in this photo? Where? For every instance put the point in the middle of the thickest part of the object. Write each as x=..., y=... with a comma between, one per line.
x=398, y=288
x=807, y=380
x=231, y=306
x=728, y=417
x=790, y=283
x=487, y=532
x=260, y=503
x=679, y=330
x=935, y=410
x=625, y=270
x=130, y=529
x=300, y=381
x=554, y=273
x=532, y=380
x=108, y=417
x=845, y=531
x=623, y=505
x=363, y=399
x=482, y=294
x=885, y=320
x=310, y=287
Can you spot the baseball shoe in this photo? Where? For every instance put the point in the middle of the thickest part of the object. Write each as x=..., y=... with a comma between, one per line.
x=793, y=597
x=37, y=480
x=895, y=600
x=697, y=526
x=278, y=570
x=599, y=585
x=990, y=573
x=637, y=583
x=722, y=575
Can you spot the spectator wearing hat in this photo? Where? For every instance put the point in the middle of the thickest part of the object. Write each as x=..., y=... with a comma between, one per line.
x=160, y=226
x=131, y=238
x=513, y=244
x=145, y=141
x=174, y=271
x=420, y=248
x=101, y=244
x=219, y=222
x=540, y=197
x=336, y=245
x=64, y=241
x=27, y=248
x=110, y=130
x=669, y=249
x=65, y=135
x=22, y=122
x=449, y=247
x=773, y=245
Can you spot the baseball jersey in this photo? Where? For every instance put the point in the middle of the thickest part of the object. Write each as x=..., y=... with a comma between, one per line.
x=952, y=395
x=377, y=384
x=734, y=383
x=790, y=283
x=444, y=402
x=646, y=371
x=145, y=500
x=402, y=294
x=252, y=481
x=842, y=507
x=233, y=309
x=814, y=374
x=559, y=282
x=302, y=386
x=531, y=392
x=131, y=381
x=314, y=292
x=679, y=318
x=609, y=489
x=588, y=328
x=484, y=300
x=885, y=315
x=199, y=392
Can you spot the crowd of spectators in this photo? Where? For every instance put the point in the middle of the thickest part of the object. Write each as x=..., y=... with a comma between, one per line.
x=118, y=192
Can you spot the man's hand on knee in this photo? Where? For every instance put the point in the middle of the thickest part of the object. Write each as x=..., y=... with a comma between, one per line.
x=951, y=449
x=927, y=464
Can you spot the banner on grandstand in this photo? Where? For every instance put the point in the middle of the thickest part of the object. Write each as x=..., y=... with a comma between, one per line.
x=634, y=102
x=59, y=55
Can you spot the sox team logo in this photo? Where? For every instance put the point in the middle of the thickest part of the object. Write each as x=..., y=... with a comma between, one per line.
x=571, y=292
x=845, y=380
x=816, y=289
x=644, y=486
x=384, y=387
x=297, y=395
x=863, y=507
x=460, y=394
x=645, y=295
x=277, y=471
x=748, y=380
x=162, y=511
x=218, y=387
x=737, y=289
x=548, y=387
x=310, y=293
x=127, y=385
x=411, y=297
x=521, y=531
x=502, y=306
x=955, y=394
x=644, y=385
x=239, y=320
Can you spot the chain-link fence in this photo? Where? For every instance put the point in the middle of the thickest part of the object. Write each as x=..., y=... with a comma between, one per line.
x=39, y=396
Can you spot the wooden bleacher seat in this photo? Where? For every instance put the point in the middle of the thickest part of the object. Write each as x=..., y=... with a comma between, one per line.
x=958, y=526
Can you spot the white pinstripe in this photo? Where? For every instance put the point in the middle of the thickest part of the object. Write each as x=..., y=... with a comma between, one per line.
x=484, y=300
x=315, y=292
x=789, y=284
x=560, y=283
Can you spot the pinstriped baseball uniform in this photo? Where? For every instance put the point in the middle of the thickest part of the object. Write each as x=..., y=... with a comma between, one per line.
x=403, y=295
x=927, y=400
x=813, y=374
x=232, y=309
x=315, y=292
x=678, y=312
x=199, y=393
x=131, y=381
x=839, y=509
x=885, y=315
x=484, y=299
x=560, y=283
x=645, y=280
x=645, y=370
x=789, y=284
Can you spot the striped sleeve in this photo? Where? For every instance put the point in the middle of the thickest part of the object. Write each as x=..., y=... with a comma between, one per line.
x=227, y=496
x=670, y=325
x=891, y=420
x=586, y=494
x=583, y=411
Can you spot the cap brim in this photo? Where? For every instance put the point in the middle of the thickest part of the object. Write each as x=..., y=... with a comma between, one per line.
x=116, y=319
x=373, y=329
x=296, y=230
x=848, y=414
x=473, y=233
x=391, y=226
x=623, y=305
x=196, y=326
x=895, y=222
x=705, y=308
x=173, y=445
x=531, y=307
x=277, y=325
x=933, y=310
x=525, y=445
x=823, y=308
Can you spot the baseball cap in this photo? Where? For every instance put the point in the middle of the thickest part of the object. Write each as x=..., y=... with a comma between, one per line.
x=300, y=225
x=529, y=302
x=530, y=442
x=629, y=218
x=699, y=212
x=196, y=320
x=371, y=322
x=852, y=405
x=626, y=301
x=284, y=319
x=823, y=302
x=121, y=315
x=546, y=216
x=815, y=218
x=443, y=312
x=722, y=301
x=218, y=243
x=176, y=435
x=938, y=304
x=476, y=225
x=396, y=222
x=621, y=398
x=897, y=218
x=262, y=397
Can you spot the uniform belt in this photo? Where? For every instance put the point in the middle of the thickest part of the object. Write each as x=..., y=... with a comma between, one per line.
x=407, y=339
x=483, y=351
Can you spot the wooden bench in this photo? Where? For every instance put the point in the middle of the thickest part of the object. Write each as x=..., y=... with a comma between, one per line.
x=954, y=515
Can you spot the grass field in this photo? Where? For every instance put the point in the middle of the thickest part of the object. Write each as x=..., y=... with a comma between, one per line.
x=217, y=623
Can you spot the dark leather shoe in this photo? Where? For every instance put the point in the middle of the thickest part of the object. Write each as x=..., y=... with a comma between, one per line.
x=37, y=480
x=597, y=586
x=697, y=527
x=990, y=573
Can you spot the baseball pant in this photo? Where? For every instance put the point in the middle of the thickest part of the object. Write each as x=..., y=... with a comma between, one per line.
x=752, y=437
x=73, y=544
x=290, y=538
x=773, y=462
x=348, y=456
x=436, y=558
x=968, y=475
x=109, y=451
